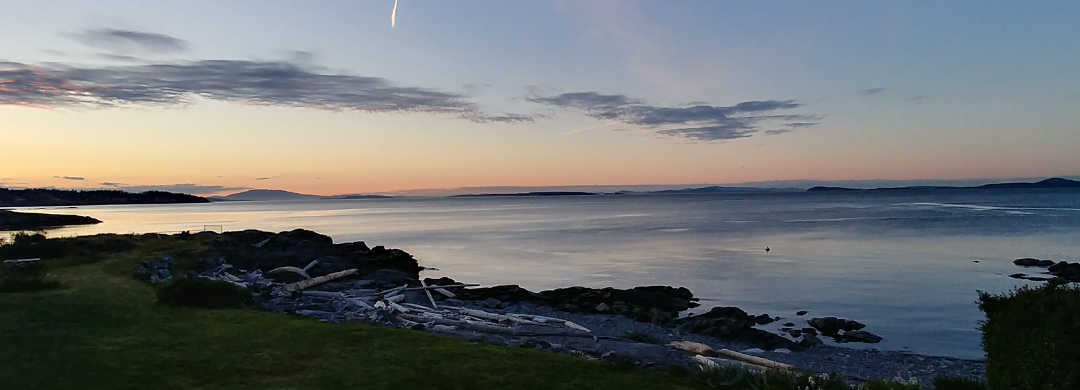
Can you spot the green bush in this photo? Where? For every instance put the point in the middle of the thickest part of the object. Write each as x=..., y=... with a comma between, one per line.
x=1032, y=338
x=947, y=383
x=26, y=276
x=202, y=293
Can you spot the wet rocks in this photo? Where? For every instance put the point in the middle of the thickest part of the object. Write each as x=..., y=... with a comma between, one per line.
x=1067, y=271
x=254, y=249
x=843, y=330
x=734, y=324
x=154, y=271
x=659, y=305
x=1062, y=271
x=1026, y=262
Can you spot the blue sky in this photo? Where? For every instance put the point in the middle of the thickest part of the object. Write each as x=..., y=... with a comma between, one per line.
x=327, y=98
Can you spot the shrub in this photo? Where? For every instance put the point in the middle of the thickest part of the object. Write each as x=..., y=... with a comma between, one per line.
x=947, y=383
x=25, y=276
x=1031, y=336
x=31, y=244
x=202, y=293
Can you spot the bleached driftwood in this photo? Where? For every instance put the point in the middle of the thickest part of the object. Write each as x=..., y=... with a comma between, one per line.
x=479, y=327
x=444, y=292
x=756, y=360
x=420, y=308
x=261, y=243
x=321, y=279
x=712, y=362
x=446, y=286
x=397, y=307
x=443, y=328
x=428, y=292
x=322, y=294
x=22, y=260
x=360, y=292
x=490, y=316
x=694, y=348
x=572, y=325
x=311, y=264
x=395, y=298
x=289, y=269
x=394, y=290
x=360, y=303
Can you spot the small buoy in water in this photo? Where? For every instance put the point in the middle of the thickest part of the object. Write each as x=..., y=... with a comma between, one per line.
x=767, y=249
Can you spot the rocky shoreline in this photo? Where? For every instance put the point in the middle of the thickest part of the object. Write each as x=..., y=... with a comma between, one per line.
x=1057, y=272
x=304, y=273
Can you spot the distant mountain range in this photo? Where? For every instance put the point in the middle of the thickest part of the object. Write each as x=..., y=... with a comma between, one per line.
x=54, y=197
x=280, y=195
x=265, y=195
x=1048, y=183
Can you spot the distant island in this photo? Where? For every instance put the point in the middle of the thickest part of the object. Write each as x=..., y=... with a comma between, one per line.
x=723, y=190
x=538, y=193
x=1048, y=183
x=11, y=220
x=54, y=197
x=279, y=195
x=262, y=194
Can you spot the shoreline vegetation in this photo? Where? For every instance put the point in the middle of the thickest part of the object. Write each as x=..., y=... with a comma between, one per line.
x=630, y=339
x=13, y=220
x=55, y=197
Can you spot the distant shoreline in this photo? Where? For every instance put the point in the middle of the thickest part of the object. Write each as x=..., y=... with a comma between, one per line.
x=12, y=220
x=1055, y=183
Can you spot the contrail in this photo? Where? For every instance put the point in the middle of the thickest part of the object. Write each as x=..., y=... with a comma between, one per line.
x=393, y=15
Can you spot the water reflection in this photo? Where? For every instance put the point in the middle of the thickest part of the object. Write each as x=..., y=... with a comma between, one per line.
x=902, y=264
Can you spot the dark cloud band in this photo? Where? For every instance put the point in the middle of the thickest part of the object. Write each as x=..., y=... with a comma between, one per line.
x=698, y=122
x=276, y=83
x=124, y=40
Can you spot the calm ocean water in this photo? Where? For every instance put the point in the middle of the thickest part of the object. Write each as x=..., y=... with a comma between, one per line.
x=903, y=263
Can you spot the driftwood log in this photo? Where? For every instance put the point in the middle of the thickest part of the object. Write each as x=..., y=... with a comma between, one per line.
x=22, y=261
x=428, y=292
x=321, y=279
x=694, y=348
x=712, y=362
x=292, y=269
x=756, y=360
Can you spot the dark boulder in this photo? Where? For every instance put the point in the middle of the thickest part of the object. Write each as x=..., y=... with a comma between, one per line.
x=1026, y=262
x=859, y=336
x=1044, y=263
x=154, y=271
x=831, y=326
x=809, y=340
x=733, y=324
x=1058, y=266
x=1070, y=271
x=801, y=312
x=253, y=249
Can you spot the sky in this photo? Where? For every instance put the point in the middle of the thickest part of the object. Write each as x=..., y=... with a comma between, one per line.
x=211, y=97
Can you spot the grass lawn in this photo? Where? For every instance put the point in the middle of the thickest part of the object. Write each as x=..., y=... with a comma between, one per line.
x=102, y=330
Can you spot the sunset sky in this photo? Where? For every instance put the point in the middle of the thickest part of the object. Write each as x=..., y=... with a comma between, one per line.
x=327, y=98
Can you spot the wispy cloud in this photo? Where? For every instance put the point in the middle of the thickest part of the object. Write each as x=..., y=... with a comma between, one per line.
x=128, y=40
x=275, y=83
x=873, y=91
x=262, y=178
x=917, y=98
x=701, y=122
x=70, y=177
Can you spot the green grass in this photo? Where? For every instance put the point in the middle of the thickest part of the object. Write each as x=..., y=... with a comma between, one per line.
x=103, y=330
